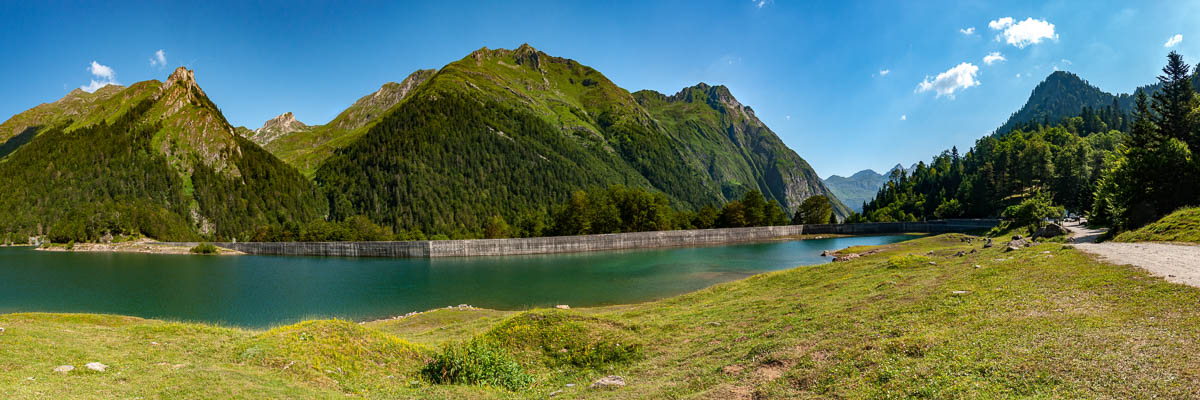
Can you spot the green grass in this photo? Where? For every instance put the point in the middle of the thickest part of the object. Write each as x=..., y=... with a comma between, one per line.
x=1040, y=322
x=1180, y=226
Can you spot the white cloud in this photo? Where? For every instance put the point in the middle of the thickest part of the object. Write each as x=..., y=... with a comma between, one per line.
x=884, y=72
x=102, y=71
x=787, y=117
x=1000, y=23
x=993, y=58
x=761, y=3
x=105, y=74
x=1024, y=33
x=967, y=31
x=1174, y=40
x=159, y=59
x=1018, y=74
x=904, y=117
x=960, y=77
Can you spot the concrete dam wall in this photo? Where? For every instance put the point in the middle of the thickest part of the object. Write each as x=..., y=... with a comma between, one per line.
x=612, y=241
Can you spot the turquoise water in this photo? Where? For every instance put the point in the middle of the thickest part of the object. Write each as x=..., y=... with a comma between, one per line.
x=260, y=291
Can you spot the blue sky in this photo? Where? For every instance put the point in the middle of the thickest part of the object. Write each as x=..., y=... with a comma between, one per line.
x=814, y=72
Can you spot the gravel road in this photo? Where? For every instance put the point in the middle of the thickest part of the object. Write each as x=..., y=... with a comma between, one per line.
x=1175, y=262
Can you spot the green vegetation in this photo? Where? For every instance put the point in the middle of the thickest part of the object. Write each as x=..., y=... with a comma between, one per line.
x=1029, y=215
x=1156, y=173
x=1179, y=226
x=506, y=135
x=153, y=159
x=1121, y=179
x=1000, y=171
x=204, y=248
x=476, y=363
x=913, y=320
x=307, y=149
x=336, y=354
x=814, y=210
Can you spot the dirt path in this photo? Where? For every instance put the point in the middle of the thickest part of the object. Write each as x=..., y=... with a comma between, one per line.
x=1174, y=262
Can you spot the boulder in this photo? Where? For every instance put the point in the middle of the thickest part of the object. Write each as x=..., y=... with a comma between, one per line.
x=1017, y=244
x=608, y=382
x=988, y=243
x=95, y=366
x=62, y=369
x=846, y=257
x=563, y=307
x=1050, y=230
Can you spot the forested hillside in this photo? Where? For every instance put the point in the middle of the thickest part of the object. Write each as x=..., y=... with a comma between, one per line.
x=514, y=132
x=501, y=137
x=1084, y=163
x=156, y=159
x=307, y=146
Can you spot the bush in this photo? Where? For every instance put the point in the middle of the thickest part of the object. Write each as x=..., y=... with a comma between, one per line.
x=204, y=248
x=71, y=245
x=477, y=362
x=1031, y=211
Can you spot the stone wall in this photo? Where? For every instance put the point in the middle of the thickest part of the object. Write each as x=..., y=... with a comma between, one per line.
x=614, y=241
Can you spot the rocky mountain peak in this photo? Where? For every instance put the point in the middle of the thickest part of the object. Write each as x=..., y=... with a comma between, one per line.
x=276, y=127
x=717, y=97
x=182, y=76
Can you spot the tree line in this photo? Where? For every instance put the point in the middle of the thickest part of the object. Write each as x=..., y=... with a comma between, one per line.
x=1122, y=170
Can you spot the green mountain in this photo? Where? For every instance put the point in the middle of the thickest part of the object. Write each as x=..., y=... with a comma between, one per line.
x=859, y=188
x=725, y=140
x=156, y=158
x=305, y=147
x=1062, y=95
x=21, y=128
x=512, y=132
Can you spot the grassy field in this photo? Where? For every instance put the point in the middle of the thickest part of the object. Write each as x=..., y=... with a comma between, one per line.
x=913, y=320
x=1180, y=226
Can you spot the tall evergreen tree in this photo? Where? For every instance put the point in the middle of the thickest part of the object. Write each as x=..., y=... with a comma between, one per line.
x=1173, y=103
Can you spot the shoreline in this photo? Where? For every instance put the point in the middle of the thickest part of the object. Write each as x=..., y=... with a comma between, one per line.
x=141, y=246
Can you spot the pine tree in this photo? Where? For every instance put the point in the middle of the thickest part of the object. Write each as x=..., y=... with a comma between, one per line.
x=1173, y=103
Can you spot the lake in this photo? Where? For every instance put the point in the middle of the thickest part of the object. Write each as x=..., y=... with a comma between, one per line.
x=261, y=291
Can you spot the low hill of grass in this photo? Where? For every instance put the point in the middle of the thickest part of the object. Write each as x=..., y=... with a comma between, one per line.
x=915, y=319
x=1180, y=226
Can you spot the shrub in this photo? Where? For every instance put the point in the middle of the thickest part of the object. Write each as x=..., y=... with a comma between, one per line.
x=477, y=362
x=204, y=248
x=1031, y=211
x=71, y=245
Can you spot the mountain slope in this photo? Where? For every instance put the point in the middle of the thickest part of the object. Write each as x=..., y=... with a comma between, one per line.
x=21, y=128
x=1063, y=95
x=510, y=132
x=724, y=138
x=305, y=147
x=156, y=158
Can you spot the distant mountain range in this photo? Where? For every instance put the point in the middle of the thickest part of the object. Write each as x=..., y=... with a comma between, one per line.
x=499, y=132
x=860, y=187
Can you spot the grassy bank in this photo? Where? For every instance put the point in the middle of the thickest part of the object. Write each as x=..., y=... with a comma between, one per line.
x=1180, y=226
x=913, y=320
